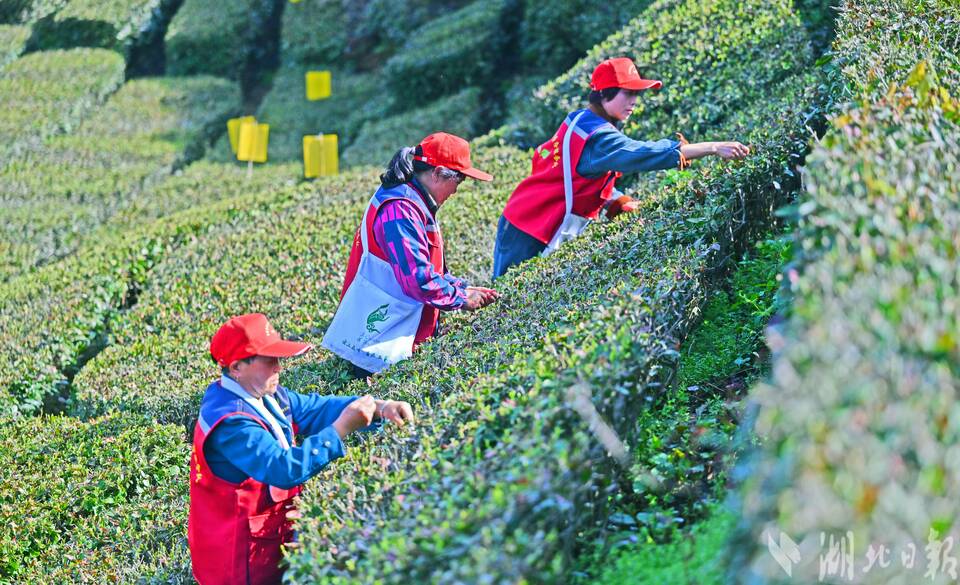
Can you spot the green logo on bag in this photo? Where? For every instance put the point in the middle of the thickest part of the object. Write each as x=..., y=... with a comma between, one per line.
x=375, y=316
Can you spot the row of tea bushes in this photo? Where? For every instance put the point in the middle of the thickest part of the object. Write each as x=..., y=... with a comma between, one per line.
x=49, y=92
x=357, y=35
x=120, y=25
x=555, y=34
x=208, y=38
x=57, y=311
x=469, y=47
x=380, y=138
x=860, y=420
x=57, y=193
x=93, y=501
x=59, y=316
x=232, y=40
x=286, y=260
x=13, y=39
x=708, y=56
x=510, y=461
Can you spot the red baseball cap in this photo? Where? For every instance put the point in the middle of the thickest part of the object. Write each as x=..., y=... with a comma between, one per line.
x=249, y=335
x=620, y=72
x=453, y=152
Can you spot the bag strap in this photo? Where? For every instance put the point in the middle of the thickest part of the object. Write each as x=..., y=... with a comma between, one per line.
x=567, y=171
x=364, y=241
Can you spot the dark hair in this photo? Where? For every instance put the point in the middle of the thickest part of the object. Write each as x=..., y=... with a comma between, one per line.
x=226, y=369
x=402, y=167
x=598, y=97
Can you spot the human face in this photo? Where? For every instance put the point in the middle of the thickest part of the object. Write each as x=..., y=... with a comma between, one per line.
x=621, y=106
x=260, y=377
x=443, y=186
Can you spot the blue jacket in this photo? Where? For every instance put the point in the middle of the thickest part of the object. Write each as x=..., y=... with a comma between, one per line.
x=239, y=447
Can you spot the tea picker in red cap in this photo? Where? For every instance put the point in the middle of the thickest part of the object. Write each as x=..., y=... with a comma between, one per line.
x=397, y=281
x=573, y=173
x=247, y=467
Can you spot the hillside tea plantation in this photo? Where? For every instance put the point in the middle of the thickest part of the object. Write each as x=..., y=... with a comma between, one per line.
x=752, y=378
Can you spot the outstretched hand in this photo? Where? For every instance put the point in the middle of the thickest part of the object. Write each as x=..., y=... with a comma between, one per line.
x=397, y=411
x=357, y=415
x=732, y=150
x=479, y=297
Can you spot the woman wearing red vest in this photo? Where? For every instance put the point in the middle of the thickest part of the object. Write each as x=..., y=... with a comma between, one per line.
x=397, y=281
x=574, y=172
x=247, y=466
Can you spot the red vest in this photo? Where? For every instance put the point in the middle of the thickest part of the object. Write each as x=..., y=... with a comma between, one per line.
x=234, y=530
x=430, y=316
x=537, y=206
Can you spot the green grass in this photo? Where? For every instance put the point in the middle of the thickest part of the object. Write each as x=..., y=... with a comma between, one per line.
x=694, y=557
x=725, y=341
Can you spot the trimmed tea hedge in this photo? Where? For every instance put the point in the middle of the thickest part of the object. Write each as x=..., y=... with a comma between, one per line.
x=96, y=501
x=708, y=56
x=122, y=25
x=501, y=472
x=555, y=34
x=49, y=92
x=354, y=34
x=356, y=98
x=58, y=193
x=860, y=421
x=469, y=47
x=13, y=39
x=60, y=315
x=233, y=40
x=11, y=11
x=207, y=37
x=379, y=139
x=158, y=362
x=317, y=31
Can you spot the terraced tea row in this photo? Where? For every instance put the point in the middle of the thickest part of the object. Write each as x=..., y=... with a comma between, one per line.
x=45, y=93
x=59, y=192
x=861, y=414
x=727, y=54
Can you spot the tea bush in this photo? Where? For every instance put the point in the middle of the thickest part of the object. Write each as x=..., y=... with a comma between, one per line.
x=234, y=40
x=13, y=39
x=57, y=193
x=209, y=38
x=11, y=11
x=49, y=92
x=379, y=139
x=707, y=56
x=859, y=421
x=121, y=25
x=58, y=310
x=465, y=48
x=555, y=34
x=358, y=35
x=92, y=501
